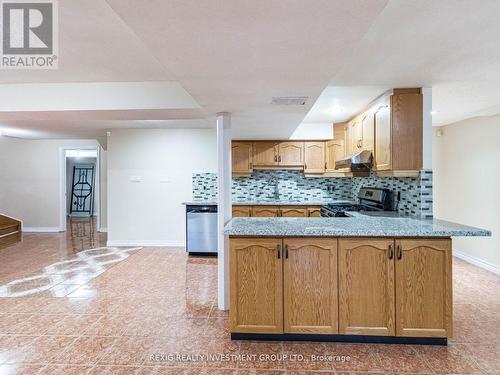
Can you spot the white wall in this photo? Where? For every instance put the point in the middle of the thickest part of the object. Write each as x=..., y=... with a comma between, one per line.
x=30, y=180
x=467, y=183
x=103, y=196
x=151, y=212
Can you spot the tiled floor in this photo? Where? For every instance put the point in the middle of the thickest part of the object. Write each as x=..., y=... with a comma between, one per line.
x=158, y=302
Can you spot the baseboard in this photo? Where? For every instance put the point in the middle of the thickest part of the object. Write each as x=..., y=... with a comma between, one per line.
x=146, y=243
x=477, y=262
x=41, y=229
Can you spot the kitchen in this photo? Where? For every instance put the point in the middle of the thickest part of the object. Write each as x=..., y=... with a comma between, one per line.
x=315, y=222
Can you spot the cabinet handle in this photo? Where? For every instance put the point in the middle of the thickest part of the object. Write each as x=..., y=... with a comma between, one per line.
x=399, y=252
x=279, y=158
x=275, y=158
x=305, y=166
x=391, y=251
x=325, y=165
x=251, y=165
x=286, y=251
x=279, y=251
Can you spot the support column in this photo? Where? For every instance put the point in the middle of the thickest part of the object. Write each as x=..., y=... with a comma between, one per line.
x=224, y=205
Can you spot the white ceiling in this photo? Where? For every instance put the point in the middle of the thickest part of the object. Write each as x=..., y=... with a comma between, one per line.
x=340, y=103
x=234, y=55
x=449, y=45
x=88, y=128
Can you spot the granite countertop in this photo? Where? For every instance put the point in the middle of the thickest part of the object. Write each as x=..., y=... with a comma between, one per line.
x=357, y=226
x=200, y=203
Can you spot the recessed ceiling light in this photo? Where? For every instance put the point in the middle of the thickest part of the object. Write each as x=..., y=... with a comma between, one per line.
x=434, y=112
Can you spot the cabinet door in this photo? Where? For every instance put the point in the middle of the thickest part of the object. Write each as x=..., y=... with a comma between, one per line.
x=354, y=135
x=383, y=139
x=334, y=151
x=265, y=153
x=291, y=154
x=314, y=212
x=242, y=211
x=256, y=285
x=367, y=128
x=423, y=288
x=314, y=154
x=265, y=211
x=310, y=285
x=366, y=287
x=293, y=212
x=241, y=156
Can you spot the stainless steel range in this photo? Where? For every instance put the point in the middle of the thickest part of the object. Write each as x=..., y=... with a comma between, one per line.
x=369, y=199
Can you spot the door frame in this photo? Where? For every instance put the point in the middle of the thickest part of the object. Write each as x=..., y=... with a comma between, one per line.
x=63, y=184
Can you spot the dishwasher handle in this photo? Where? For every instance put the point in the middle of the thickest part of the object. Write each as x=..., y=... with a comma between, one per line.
x=201, y=209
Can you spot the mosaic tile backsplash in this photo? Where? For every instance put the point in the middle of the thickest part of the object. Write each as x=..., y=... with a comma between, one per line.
x=415, y=193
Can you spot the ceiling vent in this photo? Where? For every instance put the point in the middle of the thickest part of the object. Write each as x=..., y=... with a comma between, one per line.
x=289, y=100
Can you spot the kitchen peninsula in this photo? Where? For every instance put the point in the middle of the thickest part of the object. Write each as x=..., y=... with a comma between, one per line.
x=360, y=278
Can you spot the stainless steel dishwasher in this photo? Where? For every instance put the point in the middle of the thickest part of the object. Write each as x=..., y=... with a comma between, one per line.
x=201, y=229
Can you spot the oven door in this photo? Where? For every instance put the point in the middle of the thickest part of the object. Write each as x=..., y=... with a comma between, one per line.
x=326, y=212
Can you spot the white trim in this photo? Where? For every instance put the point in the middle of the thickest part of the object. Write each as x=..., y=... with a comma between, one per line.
x=477, y=262
x=62, y=185
x=103, y=230
x=162, y=243
x=9, y=234
x=41, y=229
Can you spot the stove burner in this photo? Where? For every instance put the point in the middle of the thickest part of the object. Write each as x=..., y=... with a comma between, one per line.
x=370, y=199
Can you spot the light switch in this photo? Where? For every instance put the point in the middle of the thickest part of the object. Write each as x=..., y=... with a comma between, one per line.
x=136, y=178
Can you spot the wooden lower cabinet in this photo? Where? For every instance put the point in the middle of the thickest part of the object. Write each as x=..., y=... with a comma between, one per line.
x=350, y=286
x=310, y=285
x=265, y=211
x=256, y=285
x=366, y=287
x=423, y=288
x=293, y=212
x=242, y=211
x=313, y=212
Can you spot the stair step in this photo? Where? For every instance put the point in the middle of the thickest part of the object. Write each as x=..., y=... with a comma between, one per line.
x=8, y=229
x=10, y=239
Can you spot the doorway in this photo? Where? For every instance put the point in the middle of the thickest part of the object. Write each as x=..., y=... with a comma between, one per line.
x=80, y=186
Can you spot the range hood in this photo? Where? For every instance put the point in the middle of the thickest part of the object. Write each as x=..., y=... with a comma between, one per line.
x=360, y=161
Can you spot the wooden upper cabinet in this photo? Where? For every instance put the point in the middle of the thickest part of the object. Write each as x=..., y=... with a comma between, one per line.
x=383, y=154
x=241, y=156
x=265, y=211
x=334, y=151
x=293, y=211
x=407, y=130
x=366, y=287
x=423, y=288
x=367, y=129
x=291, y=154
x=310, y=285
x=242, y=211
x=265, y=153
x=314, y=157
x=256, y=281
